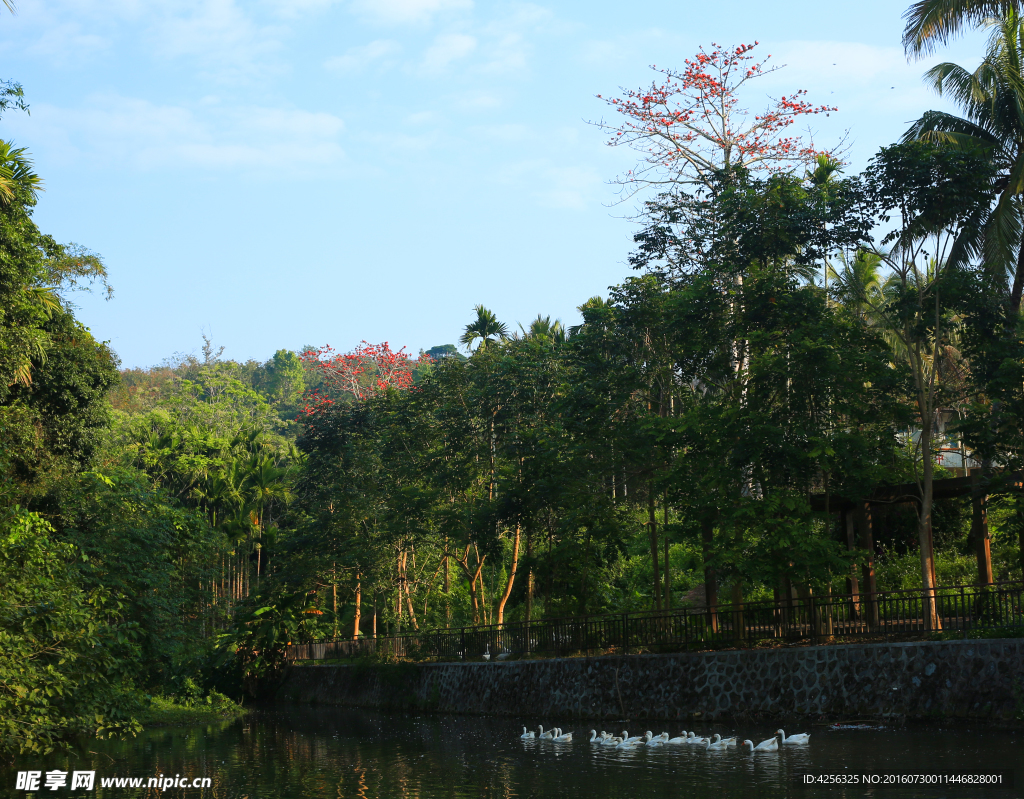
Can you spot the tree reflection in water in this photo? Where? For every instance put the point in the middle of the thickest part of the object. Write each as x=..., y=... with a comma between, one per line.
x=333, y=752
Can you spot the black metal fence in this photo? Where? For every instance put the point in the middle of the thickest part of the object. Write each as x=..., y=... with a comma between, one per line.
x=808, y=619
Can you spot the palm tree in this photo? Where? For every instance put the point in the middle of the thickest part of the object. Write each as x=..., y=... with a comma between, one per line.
x=858, y=285
x=934, y=22
x=543, y=329
x=485, y=327
x=992, y=99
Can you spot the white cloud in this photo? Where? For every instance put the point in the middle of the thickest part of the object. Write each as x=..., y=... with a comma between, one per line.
x=219, y=37
x=408, y=11
x=117, y=130
x=358, y=58
x=448, y=47
x=67, y=43
x=297, y=8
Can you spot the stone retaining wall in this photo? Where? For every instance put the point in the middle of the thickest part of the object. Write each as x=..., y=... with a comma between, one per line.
x=977, y=679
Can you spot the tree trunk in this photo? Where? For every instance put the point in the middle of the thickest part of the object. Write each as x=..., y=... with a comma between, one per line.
x=652, y=529
x=511, y=578
x=359, y=608
x=668, y=576
x=852, y=583
x=334, y=597
x=867, y=543
x=710, y=579
x=1020, y=533
x=738, y=623
x=408, y=603
x=529, y=578
x=979, y=532
x=471, y=578
x=924, y=530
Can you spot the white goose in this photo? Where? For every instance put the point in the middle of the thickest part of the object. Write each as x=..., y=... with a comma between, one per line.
x=611, y=740
x=547, y=736
x=658, y=740
x=593, y=737
x=717, y=744
x=527, y=735
x=771, y=745
x=694, y=739
x=680, y=739
x=627, y=743
x=627, y=738
x=562, y=739
x=798, y=738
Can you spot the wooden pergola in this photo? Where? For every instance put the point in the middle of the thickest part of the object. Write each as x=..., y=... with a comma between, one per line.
x=857, y=516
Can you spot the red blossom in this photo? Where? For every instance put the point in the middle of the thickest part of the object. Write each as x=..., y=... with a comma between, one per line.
x=367, y=370
x=691, y=124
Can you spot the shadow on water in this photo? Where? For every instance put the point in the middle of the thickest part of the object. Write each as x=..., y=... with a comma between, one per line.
x=332, y=752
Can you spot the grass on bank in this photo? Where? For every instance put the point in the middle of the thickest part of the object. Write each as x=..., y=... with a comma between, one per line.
x=166, y=711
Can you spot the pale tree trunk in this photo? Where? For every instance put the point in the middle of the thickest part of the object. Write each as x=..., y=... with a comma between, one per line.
x=471, y=578
x=511, y=578
x=404, y=586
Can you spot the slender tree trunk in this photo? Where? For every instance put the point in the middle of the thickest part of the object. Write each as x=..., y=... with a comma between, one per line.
x=471, y=579
x=1020, y=533
x=408, y=603
x=852, y=583
x=710, y=579
x=334, y=597
x=924, y=535
x=652, y=530
x=376, y=599
x=869, y=586
x=529, y=579
x=979, y=532
x=738, y=623
x=482, y=590
x=511, y=578
x=359, y=607
x=447, y=587
x=668, y=575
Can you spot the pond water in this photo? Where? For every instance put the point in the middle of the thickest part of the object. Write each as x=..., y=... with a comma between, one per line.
x=331, y=752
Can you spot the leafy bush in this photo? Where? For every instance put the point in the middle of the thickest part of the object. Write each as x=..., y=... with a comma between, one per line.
x=65, y=657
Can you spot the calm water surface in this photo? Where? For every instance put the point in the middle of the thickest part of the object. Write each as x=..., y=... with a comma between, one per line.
x=329, y=752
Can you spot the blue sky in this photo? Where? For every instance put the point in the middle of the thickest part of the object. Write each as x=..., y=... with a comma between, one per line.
x=291, y=172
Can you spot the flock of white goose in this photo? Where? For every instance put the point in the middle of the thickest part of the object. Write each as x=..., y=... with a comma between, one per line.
x=649, y=739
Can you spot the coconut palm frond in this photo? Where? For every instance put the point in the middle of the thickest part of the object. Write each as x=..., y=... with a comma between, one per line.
x=930, y=23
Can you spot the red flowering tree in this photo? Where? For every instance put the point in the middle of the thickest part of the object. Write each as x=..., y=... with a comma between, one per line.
x=361, y=373
x=690, y=125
